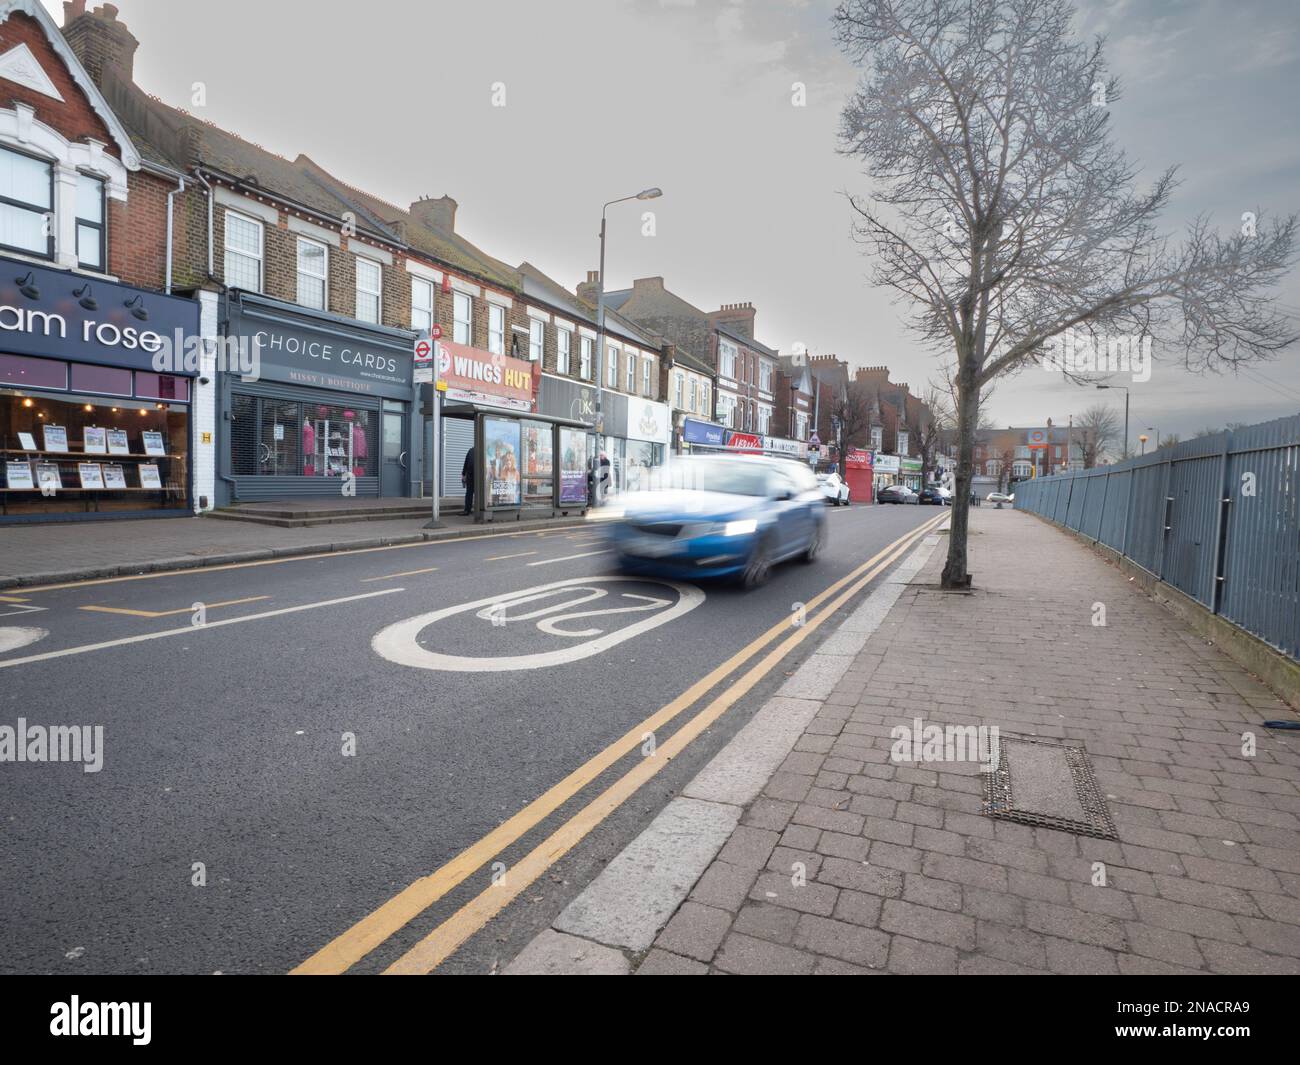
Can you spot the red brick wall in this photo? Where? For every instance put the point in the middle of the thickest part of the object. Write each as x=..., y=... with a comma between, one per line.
x=74, y=117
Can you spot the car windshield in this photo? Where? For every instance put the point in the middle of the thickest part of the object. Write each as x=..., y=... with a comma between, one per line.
x=733, y=476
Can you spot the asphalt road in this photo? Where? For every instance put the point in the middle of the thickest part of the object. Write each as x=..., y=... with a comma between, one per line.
x=224, y=743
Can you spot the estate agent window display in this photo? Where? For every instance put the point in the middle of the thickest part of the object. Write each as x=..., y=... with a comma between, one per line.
x=77, y=453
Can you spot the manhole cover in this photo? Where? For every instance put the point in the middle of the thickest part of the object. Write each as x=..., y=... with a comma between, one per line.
x=1047, y=783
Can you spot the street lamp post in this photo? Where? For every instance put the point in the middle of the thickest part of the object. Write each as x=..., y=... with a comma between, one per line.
x=1142, y=439
x=1125, y=414
x=644, y=194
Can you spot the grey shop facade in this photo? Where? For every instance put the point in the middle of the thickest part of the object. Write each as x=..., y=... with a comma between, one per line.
x=328, y=412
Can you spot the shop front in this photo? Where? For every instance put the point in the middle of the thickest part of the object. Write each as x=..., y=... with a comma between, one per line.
x=911, y=471
x=326, y=411
x=90, y=425
x=698, y=435
x=885, y=470
x=858, y=470
x=640, y=431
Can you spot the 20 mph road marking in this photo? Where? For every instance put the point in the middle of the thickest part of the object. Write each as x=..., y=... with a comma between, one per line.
x=355, y=943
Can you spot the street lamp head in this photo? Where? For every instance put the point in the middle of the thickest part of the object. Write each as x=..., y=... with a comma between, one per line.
x=649, y=194
x=1103, y=386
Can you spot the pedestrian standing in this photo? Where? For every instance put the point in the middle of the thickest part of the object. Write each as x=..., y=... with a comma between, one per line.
x=467, y=479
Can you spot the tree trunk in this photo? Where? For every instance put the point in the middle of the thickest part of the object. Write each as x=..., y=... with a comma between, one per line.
x=955, y=575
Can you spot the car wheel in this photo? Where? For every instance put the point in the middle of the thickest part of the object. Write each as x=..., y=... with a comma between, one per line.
x=814, y=547
x=759, y=567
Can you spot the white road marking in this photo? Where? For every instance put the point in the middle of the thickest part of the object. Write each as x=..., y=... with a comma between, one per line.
x=189, y=629
x=13, y=637
x=400, y=642
x=21, y=610
x=568, y=558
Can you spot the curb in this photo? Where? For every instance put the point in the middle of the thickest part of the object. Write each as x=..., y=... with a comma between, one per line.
x=611, y=924
x=188, y=562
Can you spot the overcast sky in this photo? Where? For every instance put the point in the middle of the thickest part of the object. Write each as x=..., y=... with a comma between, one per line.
x=605, y=97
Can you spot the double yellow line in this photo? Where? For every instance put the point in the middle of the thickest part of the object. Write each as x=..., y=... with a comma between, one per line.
x=374, y=929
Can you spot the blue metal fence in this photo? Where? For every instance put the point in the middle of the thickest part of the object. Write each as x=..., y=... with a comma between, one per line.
x=1217, y=517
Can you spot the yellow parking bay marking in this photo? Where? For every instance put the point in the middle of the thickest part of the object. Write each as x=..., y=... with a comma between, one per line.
x=405, y=573
x=170, y=613
x=356, y=942
x=190, y=630
x=499, y=558
x=446, y=939
x=12, y=599
x=566, y=558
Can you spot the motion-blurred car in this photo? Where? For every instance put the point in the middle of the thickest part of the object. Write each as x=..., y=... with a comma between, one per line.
x=835, y=491
x=934, y=495
x=896, y=493
x=1000, y=497
x=721, y=516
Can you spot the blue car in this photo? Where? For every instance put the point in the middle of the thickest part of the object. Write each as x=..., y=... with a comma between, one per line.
x=721, y=516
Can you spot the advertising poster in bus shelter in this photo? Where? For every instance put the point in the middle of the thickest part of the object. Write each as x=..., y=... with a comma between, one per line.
x=501, y=461
x=573, y=466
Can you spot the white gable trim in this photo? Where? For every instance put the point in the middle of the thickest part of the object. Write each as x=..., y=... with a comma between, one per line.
x=35, y=9
x=21, y=67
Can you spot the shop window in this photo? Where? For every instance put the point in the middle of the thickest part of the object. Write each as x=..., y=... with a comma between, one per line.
x=462, y=318
x=243, y=252
x=162, y=386
x=421, y=305
x=26, y=204
x=90, y=222
x=106, y=379
x=33, y=373
x=536, y=339
x=134, y=457
x=313, y=272
x=278, y=438
x=496, y=329
x=369, y=290
x=563, y=346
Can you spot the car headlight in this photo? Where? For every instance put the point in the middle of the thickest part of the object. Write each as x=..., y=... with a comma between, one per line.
x=740, y=528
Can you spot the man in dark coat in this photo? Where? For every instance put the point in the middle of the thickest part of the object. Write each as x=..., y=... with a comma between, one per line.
x=467, y=479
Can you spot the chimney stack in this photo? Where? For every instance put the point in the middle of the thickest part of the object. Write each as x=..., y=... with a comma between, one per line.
x=738, y=317
x=99, y=40
x=439, y=215
x=586, y=290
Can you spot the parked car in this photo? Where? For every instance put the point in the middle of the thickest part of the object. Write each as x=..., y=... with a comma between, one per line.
x=721, y=516
x=897, y=493
x=834, y=489
x=1000, y=497
x=934, y=494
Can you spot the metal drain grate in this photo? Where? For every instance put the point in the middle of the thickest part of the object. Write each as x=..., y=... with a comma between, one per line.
x=1049, y=784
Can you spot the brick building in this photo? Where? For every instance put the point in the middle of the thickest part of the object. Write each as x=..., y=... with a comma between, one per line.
x=88, y=426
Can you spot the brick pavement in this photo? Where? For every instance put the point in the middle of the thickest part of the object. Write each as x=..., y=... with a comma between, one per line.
x=905, y=874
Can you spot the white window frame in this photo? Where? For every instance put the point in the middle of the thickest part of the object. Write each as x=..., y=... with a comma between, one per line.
x=585, y=348
x=705, y=409
x=421, y=315
x=693, y=393
x=877, y=437
x=611, y=366
x=376, y=293
x=631, y=373
x=259, y=258
x=496, y=329
x=563, y=349
x=727, y=360
x=459, y=323
x=323, y=277
x=646, y=365
x=536, y=339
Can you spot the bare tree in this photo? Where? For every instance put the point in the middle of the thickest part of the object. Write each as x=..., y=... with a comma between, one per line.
x=1098, y=429
x=937, y=421
x=1006, y=219
x=854, y=412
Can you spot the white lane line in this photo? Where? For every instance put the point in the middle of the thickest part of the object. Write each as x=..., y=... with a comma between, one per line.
x=6, y=663
x=518, y=554
x=568, y=558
